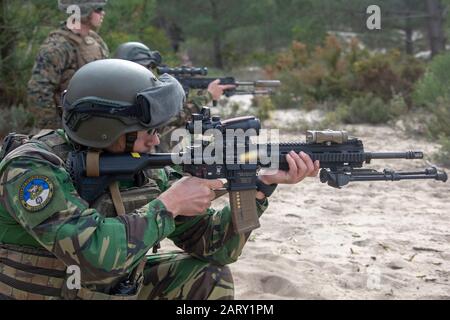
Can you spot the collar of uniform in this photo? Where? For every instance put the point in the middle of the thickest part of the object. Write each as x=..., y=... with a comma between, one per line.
x=88, y=39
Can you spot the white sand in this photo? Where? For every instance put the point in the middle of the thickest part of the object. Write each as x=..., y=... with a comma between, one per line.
x=369, y=240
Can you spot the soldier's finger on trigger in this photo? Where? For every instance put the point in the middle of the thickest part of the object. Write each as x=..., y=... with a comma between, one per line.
x=213, y=184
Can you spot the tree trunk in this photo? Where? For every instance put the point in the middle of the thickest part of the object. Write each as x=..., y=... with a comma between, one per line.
x=409, y=45
x=218, y=59
x=2, y=31
x=409, y=42
x=2, y=49
x=172, y=31
x=7, y=35
x=436, y=27
x=217, y=43
x=143, y=13
x=176, y=37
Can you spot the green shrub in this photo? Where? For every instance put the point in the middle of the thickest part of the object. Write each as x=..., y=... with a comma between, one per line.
x=307, y=75
x=433, y=92
x=15, y=119
x=264, y=107
x=387, y=75
x=436, y=82
x=439, y=121
x=343, y=72
x=443, y=156
x=368, y=109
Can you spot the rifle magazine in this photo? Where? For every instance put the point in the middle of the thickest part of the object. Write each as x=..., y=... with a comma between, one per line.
x=243, y=211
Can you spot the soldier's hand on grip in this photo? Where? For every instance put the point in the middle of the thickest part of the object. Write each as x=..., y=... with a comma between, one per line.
x=216, y=89
x=190, y=196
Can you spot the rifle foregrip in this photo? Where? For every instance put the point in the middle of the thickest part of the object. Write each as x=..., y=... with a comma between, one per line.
x=320, y=153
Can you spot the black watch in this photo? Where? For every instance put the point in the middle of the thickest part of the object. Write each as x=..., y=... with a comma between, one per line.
x=266, y=189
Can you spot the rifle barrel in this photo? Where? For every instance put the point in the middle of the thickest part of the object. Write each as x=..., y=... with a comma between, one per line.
x=410, y=155
x=260, y=83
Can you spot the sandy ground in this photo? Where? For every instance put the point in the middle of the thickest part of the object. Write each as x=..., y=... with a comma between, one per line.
x=369, y=240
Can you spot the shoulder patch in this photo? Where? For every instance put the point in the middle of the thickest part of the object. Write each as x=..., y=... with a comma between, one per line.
x=36, y=193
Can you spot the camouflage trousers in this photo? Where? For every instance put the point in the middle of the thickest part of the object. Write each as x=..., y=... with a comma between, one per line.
x=181, y=277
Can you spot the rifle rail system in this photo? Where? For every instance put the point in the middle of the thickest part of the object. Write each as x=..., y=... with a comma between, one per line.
x=342, y=159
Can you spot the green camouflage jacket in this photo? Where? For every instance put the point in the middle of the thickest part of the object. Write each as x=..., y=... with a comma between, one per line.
x=39, y=207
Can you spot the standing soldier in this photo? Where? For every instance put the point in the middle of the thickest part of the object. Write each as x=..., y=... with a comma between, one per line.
x=65, y=51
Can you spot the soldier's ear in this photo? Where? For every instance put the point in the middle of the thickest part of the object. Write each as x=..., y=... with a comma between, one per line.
x=118, y=146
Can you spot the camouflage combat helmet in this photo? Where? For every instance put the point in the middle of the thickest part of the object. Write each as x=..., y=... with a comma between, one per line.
x=86, y=6
x=108, y=98
x=139, y=53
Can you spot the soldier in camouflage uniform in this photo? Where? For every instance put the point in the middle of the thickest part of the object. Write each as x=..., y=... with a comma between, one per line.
x=60, y=56
x=140, y=53
x=45, y=226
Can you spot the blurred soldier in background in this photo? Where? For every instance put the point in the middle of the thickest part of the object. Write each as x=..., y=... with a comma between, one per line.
x=60, y=56
x=141, y=54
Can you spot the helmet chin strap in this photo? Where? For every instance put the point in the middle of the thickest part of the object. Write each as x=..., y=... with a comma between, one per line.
x=93, y=170
x=130, y=139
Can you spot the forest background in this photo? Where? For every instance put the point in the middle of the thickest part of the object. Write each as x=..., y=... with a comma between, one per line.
x=321, y=50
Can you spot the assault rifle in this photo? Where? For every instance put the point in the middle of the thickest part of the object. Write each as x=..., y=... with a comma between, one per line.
x=341, y=158
x=189, y=79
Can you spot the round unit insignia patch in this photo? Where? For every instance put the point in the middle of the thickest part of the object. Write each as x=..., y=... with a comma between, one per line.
x=36, y=193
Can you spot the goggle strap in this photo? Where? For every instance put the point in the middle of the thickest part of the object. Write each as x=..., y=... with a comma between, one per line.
x=130, y=139
x=99, y=107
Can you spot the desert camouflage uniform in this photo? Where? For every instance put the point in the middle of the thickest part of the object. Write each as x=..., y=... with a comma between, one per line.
x=59, y=57
x=38, y=241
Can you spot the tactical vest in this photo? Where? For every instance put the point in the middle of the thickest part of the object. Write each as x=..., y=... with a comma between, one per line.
x=87, y=49
x=36, y=274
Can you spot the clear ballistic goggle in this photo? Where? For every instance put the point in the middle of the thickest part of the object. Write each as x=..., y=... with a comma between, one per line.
x=154, y=107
